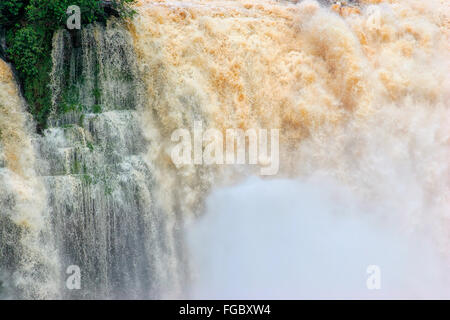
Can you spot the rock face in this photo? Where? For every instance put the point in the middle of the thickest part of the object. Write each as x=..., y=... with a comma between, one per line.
x=2, y=44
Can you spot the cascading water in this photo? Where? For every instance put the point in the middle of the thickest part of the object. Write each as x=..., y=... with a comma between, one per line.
x=360, y=95
x=360, y=98
x=106, y=217
x=28, y=259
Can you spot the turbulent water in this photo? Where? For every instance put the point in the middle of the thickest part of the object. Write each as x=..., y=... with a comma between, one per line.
x=361, y=97
x=28, y=257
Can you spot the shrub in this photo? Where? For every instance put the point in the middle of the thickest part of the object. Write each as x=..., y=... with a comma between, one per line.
x=30, y=25
x=10, y=11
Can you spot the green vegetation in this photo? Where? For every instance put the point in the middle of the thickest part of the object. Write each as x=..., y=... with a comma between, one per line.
x=90, y=146
x=96, y=108
x=76, y=166
x=69, y=101
x=29, y=26
x=81, y=120
x=97, y=94
x=86, y=179
x=108, y=190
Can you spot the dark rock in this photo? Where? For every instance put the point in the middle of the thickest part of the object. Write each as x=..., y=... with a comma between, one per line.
x=110, y=8
x=3, y=43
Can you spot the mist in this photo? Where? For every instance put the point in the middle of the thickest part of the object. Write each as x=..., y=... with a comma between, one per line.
x=291, y=239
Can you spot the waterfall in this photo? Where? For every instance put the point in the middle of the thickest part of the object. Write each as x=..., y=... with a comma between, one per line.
x=106, y=217
x=28, y=258
x=362, y=98
x=359, y=93
x=97, y=188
